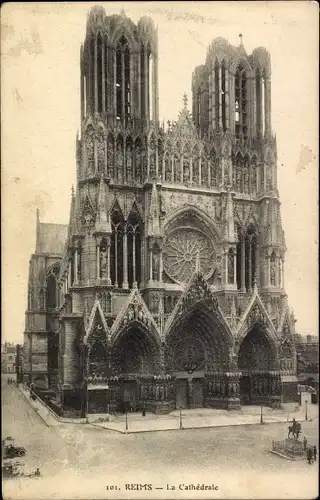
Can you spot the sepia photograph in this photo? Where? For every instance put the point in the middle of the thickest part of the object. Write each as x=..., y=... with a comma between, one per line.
x=159, y=250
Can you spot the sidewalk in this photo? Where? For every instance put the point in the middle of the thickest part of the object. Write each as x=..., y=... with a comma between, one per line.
x=47, y=415
x=202, y=418
x=190, y=419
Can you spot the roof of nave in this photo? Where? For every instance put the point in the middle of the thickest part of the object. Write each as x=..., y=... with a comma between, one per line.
x=51, y=238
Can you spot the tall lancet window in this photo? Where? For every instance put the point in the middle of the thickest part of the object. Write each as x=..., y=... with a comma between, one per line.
x=150, y=67
x=91, y=73
x=241, y=104
x=127, y=102
x=223, y=96
x=217, y=93
x=198, y=106
x=116, y=250
x=123, y=79
x=239, y=255
x=258, y=103
x=100, y=70
x=134, y=250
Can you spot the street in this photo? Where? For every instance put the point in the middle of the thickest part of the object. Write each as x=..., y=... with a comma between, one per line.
x=83, y=461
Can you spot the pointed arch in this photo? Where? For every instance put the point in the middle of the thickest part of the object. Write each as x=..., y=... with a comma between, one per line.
x=100, y=70
x=152, y=156
x=223, y=95
x=240, y=258
x=242, y=74
x=51, y=298
x=89, y=145
x=196, y=165
x=177, y=167
x=123, y=70
x=160, y=157
x=245, y=174
x=116, y=249
x=205, y=166
x=119, y=165
x=110, y=155
x=254, y=174
x=134, y=242
x=239, y=161
x=273, y=260
x=41, y=299
x=129, y=162
x=186, y=163
x=214, y=172
x=167, y=166
x=250, y=256
x=101, y=149
x=138, y=160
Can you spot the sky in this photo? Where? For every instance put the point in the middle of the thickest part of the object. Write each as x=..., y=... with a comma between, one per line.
x=40, y=107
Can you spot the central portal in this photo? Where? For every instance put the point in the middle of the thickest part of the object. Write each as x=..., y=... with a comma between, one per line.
x=129, y=395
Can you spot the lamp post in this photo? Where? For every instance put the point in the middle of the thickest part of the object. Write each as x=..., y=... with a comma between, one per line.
x=306, y=402
x=180, y=417
x=261, y=415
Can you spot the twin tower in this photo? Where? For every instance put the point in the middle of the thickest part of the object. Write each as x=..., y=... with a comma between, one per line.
x=169, y=290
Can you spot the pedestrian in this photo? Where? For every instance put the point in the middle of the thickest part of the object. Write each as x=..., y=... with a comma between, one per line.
x=143, y=412
x=309, y=455
x=37, y=473
x=305, y=441
x=315, y=453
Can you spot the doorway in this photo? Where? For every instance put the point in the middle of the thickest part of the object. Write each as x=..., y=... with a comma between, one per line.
x=181, y=393
x=129, y=395
x=245, y=390
x=197, y=393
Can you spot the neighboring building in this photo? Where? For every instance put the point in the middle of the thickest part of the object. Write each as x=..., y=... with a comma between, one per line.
x=19, y=363
x=42, y=315
x=170, y=284
x=8, y=357
x=307, y=347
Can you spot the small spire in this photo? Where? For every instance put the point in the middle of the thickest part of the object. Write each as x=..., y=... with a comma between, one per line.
x=72, y=191
x=255, y=287
x=185, y=100
x=240, y=37
x=38, y=230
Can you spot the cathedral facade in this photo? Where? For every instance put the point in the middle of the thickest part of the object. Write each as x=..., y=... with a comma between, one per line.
x=169, y=289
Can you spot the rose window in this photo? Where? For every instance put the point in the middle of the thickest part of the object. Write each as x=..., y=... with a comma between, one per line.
x=181, y=250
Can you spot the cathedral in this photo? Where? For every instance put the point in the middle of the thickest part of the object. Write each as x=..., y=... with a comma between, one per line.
x=166, y=288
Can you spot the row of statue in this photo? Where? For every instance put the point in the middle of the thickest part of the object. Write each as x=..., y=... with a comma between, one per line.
x=131, y=164
x=223, y=388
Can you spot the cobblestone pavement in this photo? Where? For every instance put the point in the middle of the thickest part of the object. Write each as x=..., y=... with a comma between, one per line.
x=87, y=462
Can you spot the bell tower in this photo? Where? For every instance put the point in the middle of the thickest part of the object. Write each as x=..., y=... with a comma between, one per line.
x=119, y=69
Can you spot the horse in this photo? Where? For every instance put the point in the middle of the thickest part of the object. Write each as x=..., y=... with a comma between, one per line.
x=295, y=430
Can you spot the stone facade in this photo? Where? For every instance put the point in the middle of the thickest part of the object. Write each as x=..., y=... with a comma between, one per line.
x=170, y=286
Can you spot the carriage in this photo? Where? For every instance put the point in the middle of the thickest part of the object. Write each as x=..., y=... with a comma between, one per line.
x=9, y=450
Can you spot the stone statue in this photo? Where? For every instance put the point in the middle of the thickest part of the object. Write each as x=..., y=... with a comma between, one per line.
x=103, y=262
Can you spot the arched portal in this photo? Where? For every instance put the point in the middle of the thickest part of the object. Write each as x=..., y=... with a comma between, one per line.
x=136, y=355
x=257, y=362
x=197, y=345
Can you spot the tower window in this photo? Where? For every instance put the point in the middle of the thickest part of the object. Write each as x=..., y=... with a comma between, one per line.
x=223, y=96
x=217, y=93
x=122, y=79
x=241, y=104
x=100, y=70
